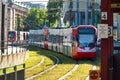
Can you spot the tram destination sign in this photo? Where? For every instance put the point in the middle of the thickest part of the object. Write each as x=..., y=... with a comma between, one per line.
x=102, y=30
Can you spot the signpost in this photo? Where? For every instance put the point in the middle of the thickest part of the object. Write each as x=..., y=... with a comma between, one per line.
x=94, y=74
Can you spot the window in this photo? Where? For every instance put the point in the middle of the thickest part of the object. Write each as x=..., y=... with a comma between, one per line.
x=86, y=40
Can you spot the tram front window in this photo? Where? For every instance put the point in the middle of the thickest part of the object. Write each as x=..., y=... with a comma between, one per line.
x=86, y=40
x=11, y=34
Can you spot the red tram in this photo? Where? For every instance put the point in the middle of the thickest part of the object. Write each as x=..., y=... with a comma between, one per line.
x=15, y=35
x=78, y=42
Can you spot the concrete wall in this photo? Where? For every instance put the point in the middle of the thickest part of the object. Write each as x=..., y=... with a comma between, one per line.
x=13, y=59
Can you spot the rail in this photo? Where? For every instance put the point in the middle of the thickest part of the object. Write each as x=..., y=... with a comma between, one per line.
x=12, y=47
x=13, y=53
x=16, y=74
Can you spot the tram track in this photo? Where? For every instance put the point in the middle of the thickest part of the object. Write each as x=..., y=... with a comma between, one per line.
x=70, y=72
x=36, y=64
x=40, y=73
x=93, y=68
x=82, y=71
x=77, y=64
x=65, y=68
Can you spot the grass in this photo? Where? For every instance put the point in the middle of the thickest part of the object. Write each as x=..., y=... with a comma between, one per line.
x=59, y=71
x=63, y=67
x=35, y=54
x=48, y=63
x=82, y=72
x=98, y=63
x=34, y=59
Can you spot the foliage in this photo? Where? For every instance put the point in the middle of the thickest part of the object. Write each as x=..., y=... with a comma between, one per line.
x=35, y=18
x=54, y=11
x=97, y=17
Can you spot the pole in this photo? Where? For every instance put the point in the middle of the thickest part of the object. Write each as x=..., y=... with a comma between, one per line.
x=86, y=13
x=48, y=14
x=0, y=20
x=92, y=12
x=4, y=31
x=106, y=43
x=70, y=6
x=76, y=14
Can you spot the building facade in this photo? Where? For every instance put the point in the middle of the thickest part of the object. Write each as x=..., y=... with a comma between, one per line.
x=78, y=12
x=16, y=13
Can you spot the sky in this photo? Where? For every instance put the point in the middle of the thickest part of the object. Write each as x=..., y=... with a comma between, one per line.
x=34, y=1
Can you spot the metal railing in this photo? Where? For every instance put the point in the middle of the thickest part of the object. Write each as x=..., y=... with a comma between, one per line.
x=13, y=54
x=16, y=74
x=12, y=47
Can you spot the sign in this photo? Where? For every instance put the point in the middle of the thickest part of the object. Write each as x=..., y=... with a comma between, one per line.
x=103, y=15
x=94, y=74
x=115, y=5
x=102, y=30
x=110, y=31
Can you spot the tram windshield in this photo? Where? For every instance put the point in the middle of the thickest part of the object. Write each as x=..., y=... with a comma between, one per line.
x=86, y=40
x=11, y=34
x=86, y=37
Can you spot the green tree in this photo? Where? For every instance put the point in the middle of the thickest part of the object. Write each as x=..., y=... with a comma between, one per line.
x=35, y=18
x=54, y=11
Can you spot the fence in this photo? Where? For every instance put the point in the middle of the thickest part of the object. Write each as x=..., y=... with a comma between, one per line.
x=13, y=47
x=17, y=74
x=14, y=53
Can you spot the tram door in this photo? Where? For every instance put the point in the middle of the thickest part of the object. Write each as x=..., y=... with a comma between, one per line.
x=46, y=38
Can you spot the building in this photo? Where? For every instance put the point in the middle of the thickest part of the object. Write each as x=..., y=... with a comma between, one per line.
x=17, y=11
x=78, y=12
x=37, y=5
